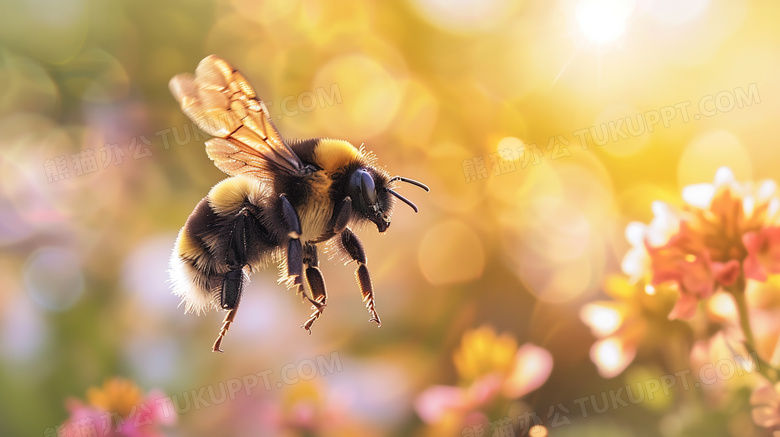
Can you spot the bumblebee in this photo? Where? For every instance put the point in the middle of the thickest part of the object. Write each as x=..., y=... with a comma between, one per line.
x=282, y=200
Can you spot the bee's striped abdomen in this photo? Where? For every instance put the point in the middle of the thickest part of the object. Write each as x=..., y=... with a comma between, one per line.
x=228, y=230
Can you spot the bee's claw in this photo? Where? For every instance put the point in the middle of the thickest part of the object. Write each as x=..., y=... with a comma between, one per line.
x=307, y=328
x=318, y=308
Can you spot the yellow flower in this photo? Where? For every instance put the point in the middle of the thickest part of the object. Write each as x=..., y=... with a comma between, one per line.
x=490, y=367
x=483, y=352
x=117, y=395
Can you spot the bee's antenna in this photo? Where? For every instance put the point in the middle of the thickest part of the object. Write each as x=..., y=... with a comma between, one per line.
x=410, y=181
x=403, y=199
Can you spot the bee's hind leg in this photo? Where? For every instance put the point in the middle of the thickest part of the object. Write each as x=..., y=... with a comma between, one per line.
x=319, y=295
x=229, y=318
x=232, y=286
x=233, y=280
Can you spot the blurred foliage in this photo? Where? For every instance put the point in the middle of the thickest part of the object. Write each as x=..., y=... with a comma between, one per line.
x=436, y=90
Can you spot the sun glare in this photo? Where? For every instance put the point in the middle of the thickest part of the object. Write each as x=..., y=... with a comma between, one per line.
x=603, y=21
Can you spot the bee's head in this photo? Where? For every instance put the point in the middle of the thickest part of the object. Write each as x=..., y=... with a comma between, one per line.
x=371, y=195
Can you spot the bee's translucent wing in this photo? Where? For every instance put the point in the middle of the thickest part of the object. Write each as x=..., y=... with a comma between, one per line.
x=223, y=104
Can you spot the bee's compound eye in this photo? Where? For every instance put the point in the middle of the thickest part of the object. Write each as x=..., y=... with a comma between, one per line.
x=362, y=190
x=368, y=188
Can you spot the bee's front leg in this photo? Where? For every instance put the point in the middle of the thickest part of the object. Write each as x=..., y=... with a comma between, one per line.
x=342, y=216
x=294, y=249
x=350, y=242
x=319, y=295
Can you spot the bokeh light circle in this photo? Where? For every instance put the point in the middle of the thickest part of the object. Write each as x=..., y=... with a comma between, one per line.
x=371, y=93
x=675, y=12
x=450, y=253
x=706, y=153
x=53, y=278
x=464, y=15
x=623, y=128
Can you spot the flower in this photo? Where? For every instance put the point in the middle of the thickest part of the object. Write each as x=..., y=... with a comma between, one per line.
x=765, y=401
x=622, y=323
x=490, y=367
x=723, y=366
x=725, y=230
x=665, y=223
x=763, y=248
x=117, y=409
x=304, y=408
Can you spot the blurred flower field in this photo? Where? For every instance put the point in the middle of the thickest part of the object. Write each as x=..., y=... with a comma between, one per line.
x=599, y=254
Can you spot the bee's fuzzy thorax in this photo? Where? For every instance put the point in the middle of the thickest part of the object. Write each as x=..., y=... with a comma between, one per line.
x=334, y=155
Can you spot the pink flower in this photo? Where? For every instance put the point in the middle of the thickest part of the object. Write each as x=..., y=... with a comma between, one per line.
x=117, y=409
x=725, y=228
x=439, y=401
x=763, y=248
x=492, y=367
x=707, y=359
x=765, y=401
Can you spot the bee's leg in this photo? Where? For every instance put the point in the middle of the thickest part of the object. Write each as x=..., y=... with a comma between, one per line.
x=229, y=318
x=343, y=215
x=319, y=295
x=233, y=280
x=232, y=287
x=353, y=246
x=294, y=250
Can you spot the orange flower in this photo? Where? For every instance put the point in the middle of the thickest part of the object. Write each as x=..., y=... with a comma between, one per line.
x=117, y=395
x=725, y=228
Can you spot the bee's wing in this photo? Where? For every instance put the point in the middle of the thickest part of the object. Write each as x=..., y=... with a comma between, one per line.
x=223, y=104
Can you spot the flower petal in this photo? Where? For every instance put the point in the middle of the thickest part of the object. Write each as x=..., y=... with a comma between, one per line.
x=724, y=178
x=685, y=308
x=726, y=273
x=435, y=402
x=533, y=366
x=483, y=390
x=611, y=356
x=163, y=413
x=699, y=195
x=603, y=318
x=635, y=233
x=635, y=263
x=763, y=249
x=752, y=267
x=765, y=395
x=765, y=417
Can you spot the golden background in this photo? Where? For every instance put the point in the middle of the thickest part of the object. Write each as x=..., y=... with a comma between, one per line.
x=436, y=90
